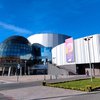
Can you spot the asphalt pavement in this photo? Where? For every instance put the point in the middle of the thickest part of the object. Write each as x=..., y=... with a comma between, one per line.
x=88, y=96
x=3, y=97
x=33, y=90
x=16, y=85
x=19, y=85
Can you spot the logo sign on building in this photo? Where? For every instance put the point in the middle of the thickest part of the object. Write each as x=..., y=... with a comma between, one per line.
x=69, y=50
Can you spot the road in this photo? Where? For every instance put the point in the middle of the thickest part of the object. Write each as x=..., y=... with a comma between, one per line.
x=19, y=85
x=88, y=96
x=3, y=97
x=16, y=86
x=34, y=91
x=35, y=83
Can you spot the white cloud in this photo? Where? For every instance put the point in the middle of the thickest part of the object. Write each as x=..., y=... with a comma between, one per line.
x=14, y=28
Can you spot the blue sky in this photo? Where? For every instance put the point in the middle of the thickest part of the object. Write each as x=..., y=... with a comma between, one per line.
x=76, y=18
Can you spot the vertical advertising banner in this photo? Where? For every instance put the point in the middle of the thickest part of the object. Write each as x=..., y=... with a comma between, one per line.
x=69, y=50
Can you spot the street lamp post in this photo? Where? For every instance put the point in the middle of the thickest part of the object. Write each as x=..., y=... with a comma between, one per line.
x=25, y=67
x=88, y=39
x=44, y=70
x=18, y=67
x=93, y=58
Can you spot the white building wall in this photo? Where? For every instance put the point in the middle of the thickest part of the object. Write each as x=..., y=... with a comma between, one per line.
x=59, y=55
x=47, y=40
x=96, y=48
x=63, y=50
x=81, y=51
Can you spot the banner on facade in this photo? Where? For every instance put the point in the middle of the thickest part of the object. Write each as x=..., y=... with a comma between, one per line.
x=69, y=50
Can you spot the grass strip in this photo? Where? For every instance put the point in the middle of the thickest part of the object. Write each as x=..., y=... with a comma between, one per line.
x=83, y=85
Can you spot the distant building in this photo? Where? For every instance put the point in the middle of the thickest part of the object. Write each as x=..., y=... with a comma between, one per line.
x=30, y=54
x=14, y=50
x=42, y=45
x=54, y=54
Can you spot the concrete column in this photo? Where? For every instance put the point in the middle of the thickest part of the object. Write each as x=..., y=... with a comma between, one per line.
x=3, y=70
x=15, y=71
x=28, y=70
x=20, y=71
x=9, y=71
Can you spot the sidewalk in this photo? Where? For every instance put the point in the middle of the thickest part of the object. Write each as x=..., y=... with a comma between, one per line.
x=32, y=78
x=40, y=93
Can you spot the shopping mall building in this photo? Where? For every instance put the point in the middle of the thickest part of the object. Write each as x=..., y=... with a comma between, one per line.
x=54, y=54
x=19, y=55
x=79, y=55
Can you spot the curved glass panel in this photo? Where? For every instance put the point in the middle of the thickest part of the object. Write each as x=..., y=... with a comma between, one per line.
x=16, y=46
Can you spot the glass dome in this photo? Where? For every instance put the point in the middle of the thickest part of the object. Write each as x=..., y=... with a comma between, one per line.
x=17, y=47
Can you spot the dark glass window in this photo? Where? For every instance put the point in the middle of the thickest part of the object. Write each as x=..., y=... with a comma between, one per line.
x=15, y=46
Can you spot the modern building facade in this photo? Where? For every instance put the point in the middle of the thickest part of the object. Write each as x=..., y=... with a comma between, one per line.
x=59, y=59
x=46, y=42
x=13, y=51
x=18, y=55
x=50, y=54
x=42, y=45
x=86, y=54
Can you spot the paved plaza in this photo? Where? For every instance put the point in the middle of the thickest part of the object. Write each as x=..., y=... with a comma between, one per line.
x=39, y=93
x=32, y=78
x=30, y=88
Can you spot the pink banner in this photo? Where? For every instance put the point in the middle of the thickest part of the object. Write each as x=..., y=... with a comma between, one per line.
x=69, y=50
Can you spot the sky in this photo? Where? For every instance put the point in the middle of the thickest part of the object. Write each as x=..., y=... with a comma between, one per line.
x=76, y=18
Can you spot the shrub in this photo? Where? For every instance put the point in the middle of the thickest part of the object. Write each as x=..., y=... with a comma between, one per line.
x=88, y=88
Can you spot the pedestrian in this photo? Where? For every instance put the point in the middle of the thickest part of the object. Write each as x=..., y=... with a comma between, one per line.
x=87, y=72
